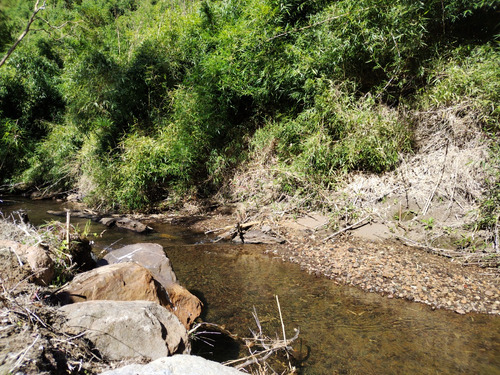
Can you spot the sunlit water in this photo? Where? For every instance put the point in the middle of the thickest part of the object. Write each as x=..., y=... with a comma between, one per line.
x=344, y=330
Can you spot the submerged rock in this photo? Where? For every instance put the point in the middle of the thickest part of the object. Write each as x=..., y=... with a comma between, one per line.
x=176, y=365
x=183, y=304
x=127, y=329
x=256, y=236
x=126, y=223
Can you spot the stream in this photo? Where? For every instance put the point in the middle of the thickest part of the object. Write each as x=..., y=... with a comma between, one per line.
x=342, y=329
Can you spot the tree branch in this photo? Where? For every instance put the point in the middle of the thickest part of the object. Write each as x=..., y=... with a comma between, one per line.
x=25, y=32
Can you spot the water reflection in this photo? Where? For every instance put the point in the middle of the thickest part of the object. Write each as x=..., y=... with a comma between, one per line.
x=347, y=331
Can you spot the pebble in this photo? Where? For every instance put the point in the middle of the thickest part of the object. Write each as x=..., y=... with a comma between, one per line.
x=402, y=272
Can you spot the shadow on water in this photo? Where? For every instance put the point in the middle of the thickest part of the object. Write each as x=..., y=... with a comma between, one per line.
x=342, y=330
x=215, y=345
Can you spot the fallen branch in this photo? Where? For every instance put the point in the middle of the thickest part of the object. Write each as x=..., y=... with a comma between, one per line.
x=243, y=226
x=347, y=228
x=261, y=347
x=480, y=259
x=429, y=200
x=443, y=252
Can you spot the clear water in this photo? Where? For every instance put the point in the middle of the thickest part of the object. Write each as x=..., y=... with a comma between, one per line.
x=343, y=330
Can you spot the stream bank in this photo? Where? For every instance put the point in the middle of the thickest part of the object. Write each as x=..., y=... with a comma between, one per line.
x=385, y=266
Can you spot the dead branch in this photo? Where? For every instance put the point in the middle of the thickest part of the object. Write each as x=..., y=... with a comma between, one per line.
x=443, y=252
x=25, y=32
x=261, y=347
x=429, y=200
x=347, y=228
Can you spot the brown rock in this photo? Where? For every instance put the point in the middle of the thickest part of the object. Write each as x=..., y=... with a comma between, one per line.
x=38, y=259
x=184, y=305
x=119, y=282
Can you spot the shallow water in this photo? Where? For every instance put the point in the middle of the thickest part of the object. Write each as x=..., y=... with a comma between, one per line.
x=345, y=331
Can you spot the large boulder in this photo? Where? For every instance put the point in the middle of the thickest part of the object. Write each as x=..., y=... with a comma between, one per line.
x=120, y=282
x=149, y=255
x=185, y=305
x=40, y=262
x=121, y=330
x=176, y=365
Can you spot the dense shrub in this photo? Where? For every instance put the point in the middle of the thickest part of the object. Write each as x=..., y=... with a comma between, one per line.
x=137, y=98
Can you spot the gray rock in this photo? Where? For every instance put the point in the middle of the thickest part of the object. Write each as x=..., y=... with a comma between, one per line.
x=176, y=365
x=108, y=221
x=255, y=236
x=150, y=256
x=138, y=330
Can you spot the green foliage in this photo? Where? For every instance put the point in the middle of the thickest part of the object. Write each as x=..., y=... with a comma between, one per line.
x=131, y=100
x=12, y=146
x=340, y=133
x=489, y=213
x=51, y=161
x=29, y=98
x=428, y=223
x=5, y=32
x=469, y=78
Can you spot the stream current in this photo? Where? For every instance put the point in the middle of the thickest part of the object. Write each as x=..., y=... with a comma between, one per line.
x=342, y=329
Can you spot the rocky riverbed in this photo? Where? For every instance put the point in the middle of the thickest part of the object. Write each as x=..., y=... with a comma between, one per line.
x=385, y=266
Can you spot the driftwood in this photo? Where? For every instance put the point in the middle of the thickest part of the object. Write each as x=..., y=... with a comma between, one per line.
x=479, y=259
x=232, y=231
x=261, y=347
x=356, y=225
x=241, y=233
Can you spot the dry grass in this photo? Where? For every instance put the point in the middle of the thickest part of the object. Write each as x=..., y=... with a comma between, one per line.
x=432, y=197
x=30, y=341
x=266, y=355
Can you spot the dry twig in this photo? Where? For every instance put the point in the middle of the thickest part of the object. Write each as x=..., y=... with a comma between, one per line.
x=347, y=228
